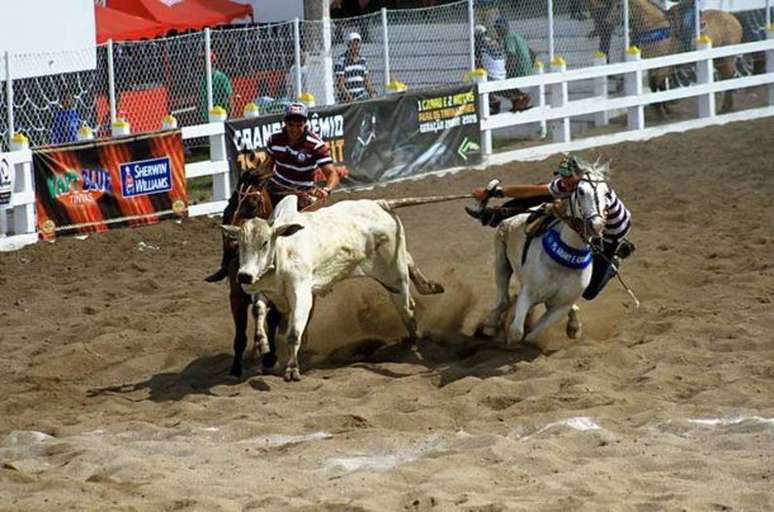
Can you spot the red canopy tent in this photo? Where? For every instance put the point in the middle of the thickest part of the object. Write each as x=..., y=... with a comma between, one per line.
x=119, y=26
x=177, y=14
x=231, y=10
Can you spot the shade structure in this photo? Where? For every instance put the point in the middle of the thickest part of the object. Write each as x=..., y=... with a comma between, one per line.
x=177, y=14
x=120, y=26
x=231, y=10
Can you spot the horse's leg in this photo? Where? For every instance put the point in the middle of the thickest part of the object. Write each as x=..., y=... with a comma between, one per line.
x=503, y=272
x=260, y=310
x=552, y=314
x=273, y=318
x=574, y=325
x=523, y=306
x=239, y=302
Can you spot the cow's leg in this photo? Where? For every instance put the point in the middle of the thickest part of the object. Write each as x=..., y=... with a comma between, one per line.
x=301, y=308
x=424, y=285
x=260, y=310
x=503, y=272
x=405, y=305
x=239, y=301
x=552, y=314
x=574, y=326
x=273, y=318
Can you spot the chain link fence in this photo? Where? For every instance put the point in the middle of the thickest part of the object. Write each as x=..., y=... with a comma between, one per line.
x=270, y=65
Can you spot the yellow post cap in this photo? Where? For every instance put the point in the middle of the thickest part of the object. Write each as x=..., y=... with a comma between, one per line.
x=633, y=50
x=85, y=131
x=396, y=85
x=476, y=73
x=121, y=122
x=169, y=119
x=538, y=64
x=558, y=61
x=251, y=107
x=599, y=55
x=704, y=39
x=306, y=97
x=19, y=138
x=217, y=110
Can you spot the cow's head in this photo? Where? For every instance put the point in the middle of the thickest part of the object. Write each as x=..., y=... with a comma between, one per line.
x=257, y=249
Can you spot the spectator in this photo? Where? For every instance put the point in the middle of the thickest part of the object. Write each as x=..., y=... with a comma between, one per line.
x=518, y=61
x=221, y=89
x=64, y=127
x=290, y=81
x=490, y=56
x=351, y=72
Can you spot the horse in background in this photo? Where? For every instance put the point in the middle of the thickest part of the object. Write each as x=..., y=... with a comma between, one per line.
x=659, y=33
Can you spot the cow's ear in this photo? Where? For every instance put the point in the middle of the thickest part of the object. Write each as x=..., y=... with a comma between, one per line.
x=287, y=229
x=230, y=231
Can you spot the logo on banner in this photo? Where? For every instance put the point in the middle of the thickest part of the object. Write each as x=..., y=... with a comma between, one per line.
x=6, y=181
x=467, y=146
x=146, y=177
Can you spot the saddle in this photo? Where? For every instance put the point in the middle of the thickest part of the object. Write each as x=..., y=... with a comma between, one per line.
x=538, y=223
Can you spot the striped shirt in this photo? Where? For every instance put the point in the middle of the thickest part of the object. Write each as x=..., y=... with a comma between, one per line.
x=619, y=220
x=354, y=71
x=294, y=165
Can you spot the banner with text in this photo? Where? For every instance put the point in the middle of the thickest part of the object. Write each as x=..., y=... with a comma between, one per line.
x=383, y=139
x=96, y=186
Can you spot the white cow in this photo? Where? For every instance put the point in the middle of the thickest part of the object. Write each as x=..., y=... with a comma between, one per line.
x=293, y=257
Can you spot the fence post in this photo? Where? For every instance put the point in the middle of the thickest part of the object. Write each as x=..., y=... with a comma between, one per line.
x=768, y=16
x=296, y=57
x=697, y=18
x=386, y=43
x=9, y=97
x=551, y=47
x=472, y=35
x=539, y=69
x=705, y=74
x=329, y=98
x=23, y=215
x=770, y=64
x=208, y=67
x=478, y=76
x=221, y=188
x=111, y=81
x=626, y=23
x=560, y=129
x=600, y=89
x=633, y=87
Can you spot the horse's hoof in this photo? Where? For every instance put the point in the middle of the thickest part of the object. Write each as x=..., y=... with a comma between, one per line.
x=574, y=331
x=236, y=372
x=292, y=374
x=268, y=361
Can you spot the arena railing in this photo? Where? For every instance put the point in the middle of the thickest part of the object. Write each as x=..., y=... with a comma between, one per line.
x=555, y=109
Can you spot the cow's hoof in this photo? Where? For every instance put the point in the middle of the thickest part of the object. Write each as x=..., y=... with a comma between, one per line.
x=236, y=372
x=485, y=331
x=292, y=374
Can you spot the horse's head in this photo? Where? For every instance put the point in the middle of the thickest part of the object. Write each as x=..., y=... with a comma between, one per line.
x=253, y=202
x=589, y=201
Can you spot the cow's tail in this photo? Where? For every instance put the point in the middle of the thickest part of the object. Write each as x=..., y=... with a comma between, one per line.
x=423, y=285
x=392, y=204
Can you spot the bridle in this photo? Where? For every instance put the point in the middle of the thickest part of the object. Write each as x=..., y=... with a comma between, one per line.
x=600, y=211
x=262, y=209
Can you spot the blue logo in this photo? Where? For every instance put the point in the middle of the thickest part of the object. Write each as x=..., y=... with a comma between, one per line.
x=564, y=254
x=146, y=177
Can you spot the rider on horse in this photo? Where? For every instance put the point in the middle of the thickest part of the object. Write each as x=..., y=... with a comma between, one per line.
x=614, y=245
x=293, y=154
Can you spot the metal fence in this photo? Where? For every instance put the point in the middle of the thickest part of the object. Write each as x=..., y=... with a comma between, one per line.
x=271, y=64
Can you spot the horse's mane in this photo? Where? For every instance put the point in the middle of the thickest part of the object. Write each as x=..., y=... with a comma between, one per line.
x=597, y=170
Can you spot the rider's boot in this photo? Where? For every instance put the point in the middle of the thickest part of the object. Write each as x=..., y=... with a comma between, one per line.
x=229, y=253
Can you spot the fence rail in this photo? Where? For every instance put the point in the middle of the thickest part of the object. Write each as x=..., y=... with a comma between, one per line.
x=269, y=64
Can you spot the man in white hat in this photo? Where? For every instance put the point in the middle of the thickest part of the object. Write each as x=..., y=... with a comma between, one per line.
x=351, y=71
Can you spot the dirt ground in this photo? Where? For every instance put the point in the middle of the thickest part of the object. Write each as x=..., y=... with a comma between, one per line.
x=114, y=396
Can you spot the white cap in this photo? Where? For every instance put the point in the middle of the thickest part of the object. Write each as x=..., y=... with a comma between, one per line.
x=352, y=36
x=480, y=29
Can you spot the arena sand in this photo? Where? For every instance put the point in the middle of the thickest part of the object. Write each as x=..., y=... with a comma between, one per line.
x=114, y=396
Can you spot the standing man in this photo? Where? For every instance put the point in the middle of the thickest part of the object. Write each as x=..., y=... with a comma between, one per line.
x=221, y=89
x=351, y=71
x=518, y=61
x=292, y=156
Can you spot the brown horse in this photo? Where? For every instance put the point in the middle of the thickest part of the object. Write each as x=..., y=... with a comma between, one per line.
x=657, y=33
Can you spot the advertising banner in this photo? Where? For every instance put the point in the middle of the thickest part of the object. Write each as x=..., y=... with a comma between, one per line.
x=6, y=180
x=96, y=186
x=396, y=136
